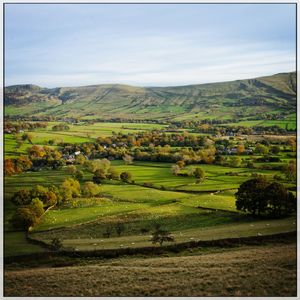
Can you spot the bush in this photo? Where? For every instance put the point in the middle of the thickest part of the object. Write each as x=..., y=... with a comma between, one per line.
x=24, y=218
x=21, y=197
x=125, y=176
x=148, y=184
x=56, y=244
x=99, y=175
x=60, y=127
x=37, y=207
x=120, y=228
x=160, y=236
x=90, y=189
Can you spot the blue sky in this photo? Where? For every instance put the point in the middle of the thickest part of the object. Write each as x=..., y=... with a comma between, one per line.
x=146, y=44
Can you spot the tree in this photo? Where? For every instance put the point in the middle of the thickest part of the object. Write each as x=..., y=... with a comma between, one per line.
x=292, y=143
x=9, y=167
x=21, y=197
x=240, y=149
x=113, y=174
x=199, y=174
x=104, y=164
x=251, y=196
x=36, y=152
x=261, y=149
x=23, y=163
x=180, y=164
x=48, y=198
x=55, y=190
x=126, y=176
x=78, y=175
x=250, y=164
x=71, y=170
x=191, y=171
x=99, y=175
x=56, y=244
x=60, y=127
x=160, y=236
x=127, y=159
x=24, y=218
x=279, y=199
x=90, y=189
x=120, y=228
x=92, y=165
x=37, y=207
x=275, y=149
x=235, y=161
x=70, y=188
x=80, y=159
x=175, y=169
x=28, y=137
x=108, y=231
x=290, y=170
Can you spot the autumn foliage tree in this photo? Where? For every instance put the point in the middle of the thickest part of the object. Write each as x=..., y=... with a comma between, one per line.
x=70, y=189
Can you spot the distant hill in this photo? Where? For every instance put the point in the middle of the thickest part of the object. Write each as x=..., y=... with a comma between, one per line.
x=223, y=100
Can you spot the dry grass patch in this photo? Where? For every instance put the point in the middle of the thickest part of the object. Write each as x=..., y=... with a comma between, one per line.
x=253, y=271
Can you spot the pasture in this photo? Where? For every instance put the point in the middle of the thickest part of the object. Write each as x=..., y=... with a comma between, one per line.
x=78, y=133
x=190, y=211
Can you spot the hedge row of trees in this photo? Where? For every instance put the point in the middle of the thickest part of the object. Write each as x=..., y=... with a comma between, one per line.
x=10, y=127
x=60, y=127
x=38, y=157
x=32, y=203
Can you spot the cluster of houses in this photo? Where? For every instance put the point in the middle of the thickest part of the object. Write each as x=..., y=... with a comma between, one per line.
x=70, y=158
x=233, y=151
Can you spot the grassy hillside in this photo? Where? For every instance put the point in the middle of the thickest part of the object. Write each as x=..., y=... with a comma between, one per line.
x=225, y=100
x=268, y=270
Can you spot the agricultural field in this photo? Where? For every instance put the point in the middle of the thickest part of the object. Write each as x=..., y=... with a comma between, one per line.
x=191, y=211
x=124, y=214
x=288, y=123
x=78, y=133
x=142, y=154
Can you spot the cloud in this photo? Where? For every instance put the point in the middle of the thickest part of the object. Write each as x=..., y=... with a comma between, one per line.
x=150, y=55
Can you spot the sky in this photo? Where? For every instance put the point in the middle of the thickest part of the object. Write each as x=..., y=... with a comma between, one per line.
x=54, y=45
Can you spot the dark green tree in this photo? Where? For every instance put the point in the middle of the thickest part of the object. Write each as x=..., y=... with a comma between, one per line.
x=126, y=176
x=160, y=236
x=280, y=201
x=250, y=196
x=99, y=176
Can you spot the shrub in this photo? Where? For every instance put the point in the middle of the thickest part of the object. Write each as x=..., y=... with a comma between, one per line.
x=160, y=236
x=120, y=228
x=24, y=218
x=56, y=244
x=125, y=176
x=90, y=189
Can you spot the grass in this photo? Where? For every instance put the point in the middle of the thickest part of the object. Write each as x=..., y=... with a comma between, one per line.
x=15, y=243
x=67, y=217
x=268, y=270
x=77, y=134
x=289, y=123
x=159, y=174
x=208, y=226
x=140, y=207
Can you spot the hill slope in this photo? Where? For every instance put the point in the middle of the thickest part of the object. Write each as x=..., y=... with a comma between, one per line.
x=224, y=100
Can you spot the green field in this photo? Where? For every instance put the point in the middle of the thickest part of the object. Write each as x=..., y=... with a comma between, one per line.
x=199, y=211
x=77, y=134
x=288, y=123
